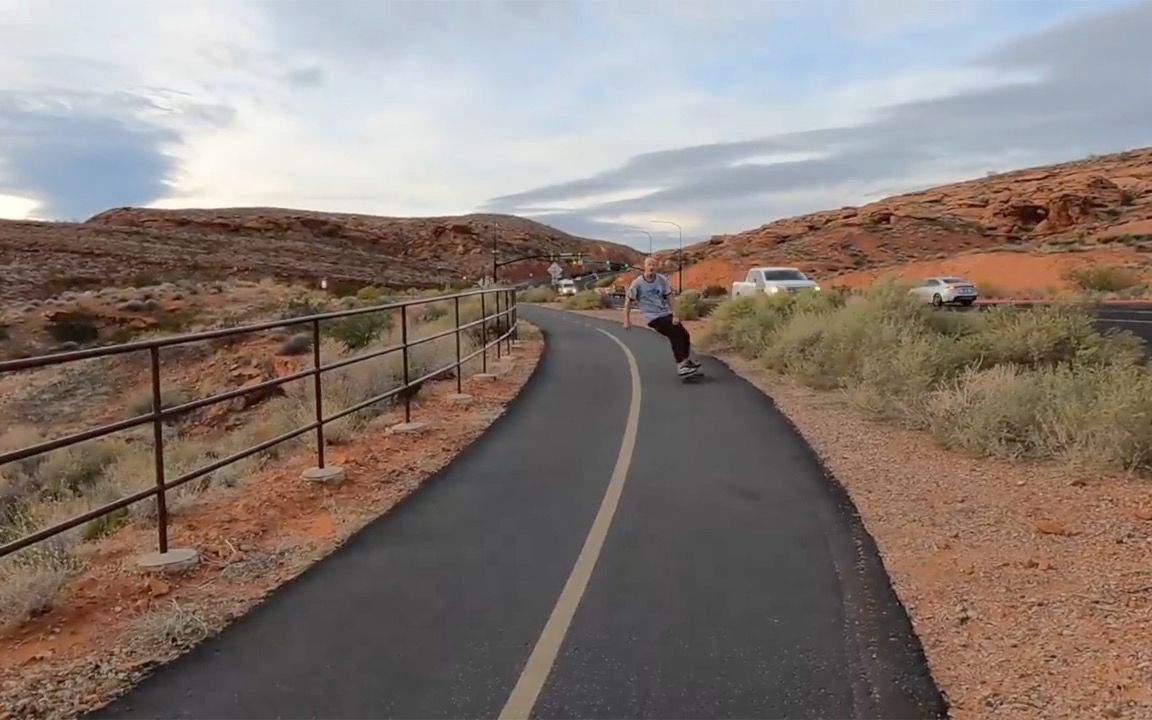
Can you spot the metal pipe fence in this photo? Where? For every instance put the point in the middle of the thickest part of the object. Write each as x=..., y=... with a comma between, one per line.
x=505, y=319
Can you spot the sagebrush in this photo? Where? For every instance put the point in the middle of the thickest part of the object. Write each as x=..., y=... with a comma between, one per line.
x=1040, y=382
x=588, y=300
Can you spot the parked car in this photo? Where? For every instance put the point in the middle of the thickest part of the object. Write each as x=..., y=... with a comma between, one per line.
x=772, y=280
x=566, y=286
x=946, y=290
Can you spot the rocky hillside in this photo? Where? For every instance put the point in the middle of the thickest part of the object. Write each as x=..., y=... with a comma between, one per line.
x=1098, y=203
x=130, y=246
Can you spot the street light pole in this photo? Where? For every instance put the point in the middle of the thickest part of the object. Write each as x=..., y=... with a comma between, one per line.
x=646, y=233
x=669, y=222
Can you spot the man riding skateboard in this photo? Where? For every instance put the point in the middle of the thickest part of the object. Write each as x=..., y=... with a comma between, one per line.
x=651, y=292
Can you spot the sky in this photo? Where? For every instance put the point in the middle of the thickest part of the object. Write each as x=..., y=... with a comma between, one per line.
x=593, y=116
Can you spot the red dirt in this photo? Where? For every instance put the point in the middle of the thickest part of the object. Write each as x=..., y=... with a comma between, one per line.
x=1017, y=273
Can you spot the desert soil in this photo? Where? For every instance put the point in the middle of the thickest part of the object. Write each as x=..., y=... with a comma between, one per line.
x=114, y=623
x=1028, y=584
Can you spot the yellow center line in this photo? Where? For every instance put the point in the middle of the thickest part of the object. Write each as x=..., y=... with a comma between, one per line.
x=543, y=657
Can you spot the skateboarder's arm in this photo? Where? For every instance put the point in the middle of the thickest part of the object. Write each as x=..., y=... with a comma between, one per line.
x=629, y=296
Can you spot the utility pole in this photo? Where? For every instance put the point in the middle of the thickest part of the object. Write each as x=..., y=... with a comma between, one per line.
x=669, y=222
x=494, y=259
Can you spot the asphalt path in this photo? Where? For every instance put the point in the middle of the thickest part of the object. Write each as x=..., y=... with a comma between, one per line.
x=1135, y=318
x=620, y=544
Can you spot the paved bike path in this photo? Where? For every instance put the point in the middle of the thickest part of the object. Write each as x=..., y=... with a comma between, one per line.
x=734, y=580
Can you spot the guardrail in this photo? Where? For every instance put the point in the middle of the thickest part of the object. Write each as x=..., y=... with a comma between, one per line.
x=506, y=307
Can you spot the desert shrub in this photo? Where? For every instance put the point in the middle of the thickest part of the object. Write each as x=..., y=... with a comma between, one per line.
x=992, y=291
x=175, y=321
x=345, y=387
x=140, y=401
x=588, y=300
x=1135, y=291
x=303, y=306
x=31, y=580
x=713, y=291
x=5, y=334
x=691, y=306
x=73, y=469
x=1049, y=335
x=73, y=327
x=1102, y=278
x=372, y=294
x=298, y=344
x=1009, y=382
x=359, y=331
x=538, y=294
x=433, y=310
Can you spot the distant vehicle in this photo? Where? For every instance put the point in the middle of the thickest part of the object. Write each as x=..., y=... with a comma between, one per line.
x=772, y=280
x=946, y=290
x=566, y=286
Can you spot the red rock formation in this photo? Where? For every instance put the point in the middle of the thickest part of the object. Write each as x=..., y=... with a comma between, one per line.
x=1088, y=203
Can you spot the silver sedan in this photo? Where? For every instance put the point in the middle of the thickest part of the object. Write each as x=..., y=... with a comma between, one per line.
x=946, y=290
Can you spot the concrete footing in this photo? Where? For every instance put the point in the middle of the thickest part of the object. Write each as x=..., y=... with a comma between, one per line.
x=484, y=377
x=460, y=398
x=328, y=475
x=408, y=428
x=175, y=560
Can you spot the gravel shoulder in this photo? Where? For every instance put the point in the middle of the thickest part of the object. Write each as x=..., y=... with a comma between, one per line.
x=1027, y=583
x=113, y=624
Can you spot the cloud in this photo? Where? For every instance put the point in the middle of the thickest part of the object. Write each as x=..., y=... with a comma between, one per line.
x=77, y=164
x=76, y=153
x=595, y=117
x=1060, y=93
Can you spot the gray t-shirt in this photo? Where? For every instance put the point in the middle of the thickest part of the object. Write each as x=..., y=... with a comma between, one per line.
x=651, y=297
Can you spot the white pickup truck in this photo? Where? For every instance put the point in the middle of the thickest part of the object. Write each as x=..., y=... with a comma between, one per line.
x=772, y=280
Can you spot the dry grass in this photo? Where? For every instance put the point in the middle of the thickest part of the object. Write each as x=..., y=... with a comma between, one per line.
x=540, y=294
x=691, y=306
x=167, y=630
x=1103, y=278
x=140, y=401
x=588, y=300
x=1041, y=383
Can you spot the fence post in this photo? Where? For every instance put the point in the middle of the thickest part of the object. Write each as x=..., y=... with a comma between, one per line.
x=511, y=312
x=483, y=333
x=459, y=367
x=318, y=394
x=498, y=348
x=404, y=342
x=515, y=315
x=158, y=450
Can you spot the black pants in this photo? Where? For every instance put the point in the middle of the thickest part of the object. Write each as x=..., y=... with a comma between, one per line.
x=676, y=333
